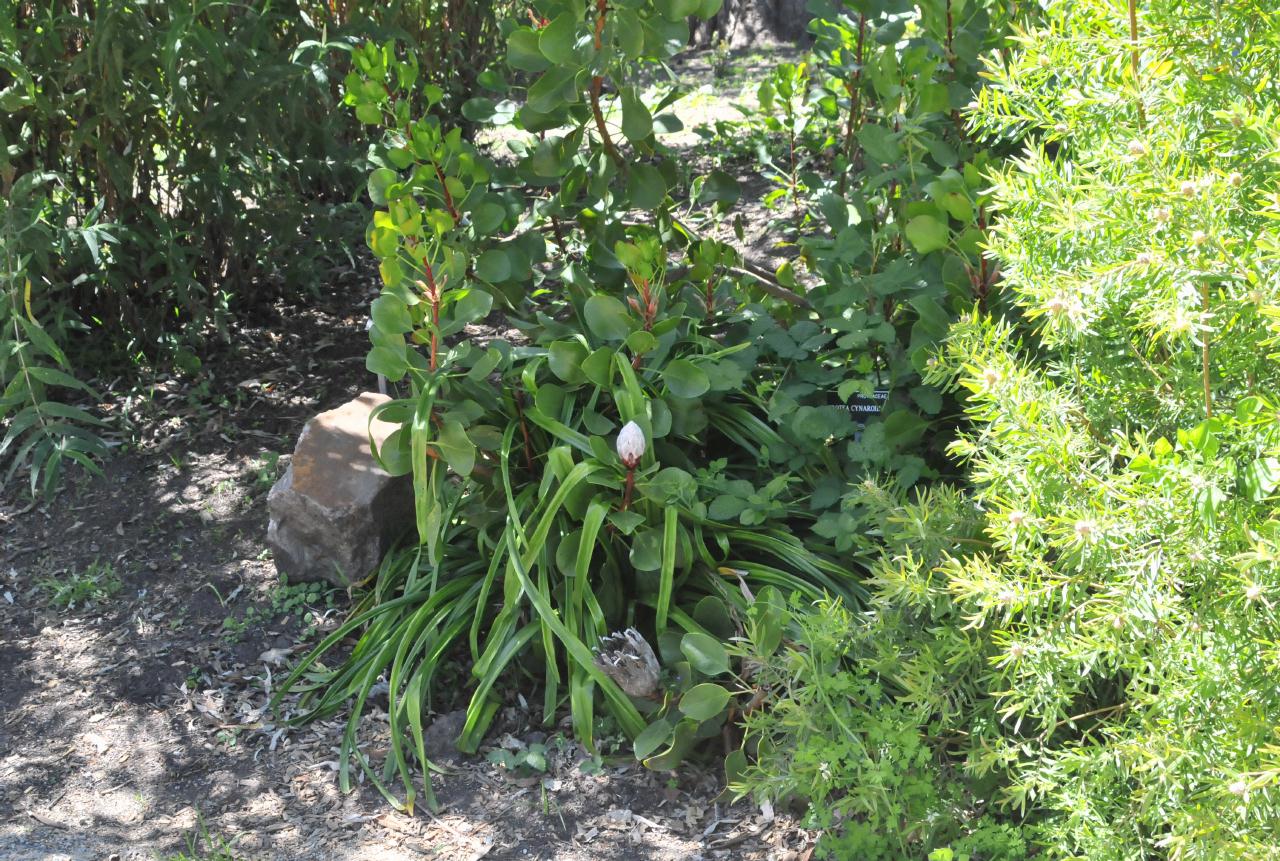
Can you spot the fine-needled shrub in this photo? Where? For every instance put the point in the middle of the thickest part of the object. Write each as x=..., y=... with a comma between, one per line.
x=1098, y=660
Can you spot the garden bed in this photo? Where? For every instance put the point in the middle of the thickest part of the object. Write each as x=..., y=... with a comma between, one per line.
x=131, y=725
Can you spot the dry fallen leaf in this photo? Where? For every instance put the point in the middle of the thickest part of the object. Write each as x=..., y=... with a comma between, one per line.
x=275, y=656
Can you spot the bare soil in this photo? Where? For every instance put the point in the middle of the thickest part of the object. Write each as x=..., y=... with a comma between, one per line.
x=135, y=724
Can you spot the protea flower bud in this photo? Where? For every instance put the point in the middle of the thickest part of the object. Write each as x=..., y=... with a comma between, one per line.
x=627, y=658
x=631, y=445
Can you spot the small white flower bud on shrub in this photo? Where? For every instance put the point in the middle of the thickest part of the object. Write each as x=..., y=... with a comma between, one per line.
x=1254, y=592
x=1017, y=650
x=631, y=444
x=1188, y=188
x=1236, y=179
x=1162, y=214
x=1137, y=148
x=1238, y=787
x=1199, y=238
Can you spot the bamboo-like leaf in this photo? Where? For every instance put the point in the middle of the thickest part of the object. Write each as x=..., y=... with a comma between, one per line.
x=666, y=581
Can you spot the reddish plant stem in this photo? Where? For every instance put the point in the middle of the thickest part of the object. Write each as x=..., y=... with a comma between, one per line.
x=597, y=84
x=628, y=488
x=646, y=307
x=448, y=197
x=433, y=296
x=983, y=284
x=524, y=430
x=854, y=86
x=951, y=55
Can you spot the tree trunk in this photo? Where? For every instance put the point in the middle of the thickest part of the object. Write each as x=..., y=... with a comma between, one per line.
x=742, y=23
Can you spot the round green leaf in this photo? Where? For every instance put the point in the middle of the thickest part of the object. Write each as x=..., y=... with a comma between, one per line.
x=706, y=654
x=640, y=342
x=387, y=362
x=719, y=187
x=565, y=359
x=704, y=701
x=607, y=318
x=646, y=187
x=637, y=122
x=927, y=233
x=713, y=614
x=379, y=181
x=390, y=314
x=598, y=367
x=558, y=40
x=675, y=10
x=646, y=550
x=523, y=52
x=458, y=450
x=654, y=736
x=493, y=266
x=685, y=379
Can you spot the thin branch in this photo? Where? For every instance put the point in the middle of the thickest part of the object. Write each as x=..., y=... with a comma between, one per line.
x=597, y=85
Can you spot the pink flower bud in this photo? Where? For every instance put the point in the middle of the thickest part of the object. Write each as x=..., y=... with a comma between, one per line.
x=631, y=445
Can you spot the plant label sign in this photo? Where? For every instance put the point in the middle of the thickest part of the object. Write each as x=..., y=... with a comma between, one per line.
x=863, y=407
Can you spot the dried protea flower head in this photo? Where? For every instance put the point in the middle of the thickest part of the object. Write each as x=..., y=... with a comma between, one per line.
x=631, y=445
x=628, y=659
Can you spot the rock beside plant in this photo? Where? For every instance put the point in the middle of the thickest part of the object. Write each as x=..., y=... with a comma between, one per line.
x=335, y=512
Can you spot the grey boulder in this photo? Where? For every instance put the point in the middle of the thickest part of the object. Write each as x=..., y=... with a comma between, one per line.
x=335, y=512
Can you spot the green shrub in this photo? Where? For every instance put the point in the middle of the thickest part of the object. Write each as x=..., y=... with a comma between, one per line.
x=163, y=165
x=1099, y=658
x=662, y=446
x=881, y=191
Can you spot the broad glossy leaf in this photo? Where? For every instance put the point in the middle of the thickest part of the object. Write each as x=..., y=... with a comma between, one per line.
x=645, y=186
x=685, y=379
x=390, y=314
x=387, y=362
x=927, y=233
x=705, y=653
x=654, y=736
x=558, y=40
x=565, y=359
x=607, y=318
x=523, y=51
x=646, y=550
x=637, y=122
x=704, y=701
x=493, y=266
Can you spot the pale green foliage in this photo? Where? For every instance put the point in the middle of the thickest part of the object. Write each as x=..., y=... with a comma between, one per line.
x=1128, y=474
x=1099, y=658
